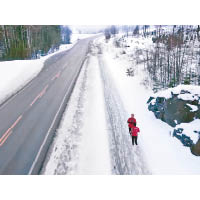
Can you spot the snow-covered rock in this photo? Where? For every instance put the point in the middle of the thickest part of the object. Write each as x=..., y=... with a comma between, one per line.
x=180, y=108
x=196, y=149
x=176, y=105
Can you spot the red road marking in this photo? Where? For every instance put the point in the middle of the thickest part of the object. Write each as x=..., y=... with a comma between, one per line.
x=53, y=78
x=9, y=131
x=39, y=95
x=43, y=91
x=5, y=138
x=56, y=76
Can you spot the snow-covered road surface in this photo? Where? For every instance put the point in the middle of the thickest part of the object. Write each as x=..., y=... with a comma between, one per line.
x=81, y=145
x=94, y=130
x=93, y=137
x=94, y=149
x=163, y=153
x=126, y=159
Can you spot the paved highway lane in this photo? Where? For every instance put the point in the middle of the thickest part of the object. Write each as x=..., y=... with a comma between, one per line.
x=29, y=119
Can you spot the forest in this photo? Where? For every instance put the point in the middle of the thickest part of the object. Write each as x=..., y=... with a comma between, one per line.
x=19, y=42
x=174, y=56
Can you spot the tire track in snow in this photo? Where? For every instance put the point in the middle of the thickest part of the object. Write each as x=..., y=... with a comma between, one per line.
x=126, y=159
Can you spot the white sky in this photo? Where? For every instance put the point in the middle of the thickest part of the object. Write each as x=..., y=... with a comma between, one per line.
x=99, y=12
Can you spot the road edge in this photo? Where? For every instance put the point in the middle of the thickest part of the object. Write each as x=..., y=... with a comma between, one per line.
x=41, y=155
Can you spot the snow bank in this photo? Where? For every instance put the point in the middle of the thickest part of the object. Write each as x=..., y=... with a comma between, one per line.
x=191, y=129
x=16, y=74
x=194, y=92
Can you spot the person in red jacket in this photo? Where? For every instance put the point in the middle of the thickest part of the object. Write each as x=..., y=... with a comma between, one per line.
x=134, y=132
x=131, y=122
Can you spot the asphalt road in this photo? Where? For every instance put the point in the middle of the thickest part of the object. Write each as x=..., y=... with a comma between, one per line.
x=29, y=119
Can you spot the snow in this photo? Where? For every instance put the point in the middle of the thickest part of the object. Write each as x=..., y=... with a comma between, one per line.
x=17, y=73
x=75, y=37
x=187, y=97
x=193, y=107
x=94, y=150
x=193, y=95
x=191, y=129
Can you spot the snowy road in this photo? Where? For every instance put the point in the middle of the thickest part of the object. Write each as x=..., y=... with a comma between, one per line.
x=29, y=118
x=93, y=137
x=126, y=159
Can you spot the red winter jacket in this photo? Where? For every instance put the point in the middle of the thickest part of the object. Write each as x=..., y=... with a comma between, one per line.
x=131, y=122
x=134, y=131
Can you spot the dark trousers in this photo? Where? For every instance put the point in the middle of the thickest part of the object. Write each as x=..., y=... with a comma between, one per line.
x=134, y=139
x=129, y=130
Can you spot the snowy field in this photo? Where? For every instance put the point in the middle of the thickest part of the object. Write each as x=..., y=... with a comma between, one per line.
x=16, y=74
x=94, y=131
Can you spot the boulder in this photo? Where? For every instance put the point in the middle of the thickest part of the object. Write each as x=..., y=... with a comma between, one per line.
x=184, y=139
x=195, y=149
x=174, y=110
x=179, y=105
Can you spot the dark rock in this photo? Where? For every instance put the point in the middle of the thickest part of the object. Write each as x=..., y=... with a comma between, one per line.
x=174, y=110
x=174, y=95
x=195, y=149
x=184, y=139
x=150, y=98
x=160, y=100
x=158, y=115
x=184, y=92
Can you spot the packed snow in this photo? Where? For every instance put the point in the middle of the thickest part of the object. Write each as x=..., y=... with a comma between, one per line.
x=191, y=129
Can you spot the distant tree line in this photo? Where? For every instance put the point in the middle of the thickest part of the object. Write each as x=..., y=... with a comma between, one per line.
x=31, y=41
x=110, y=31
